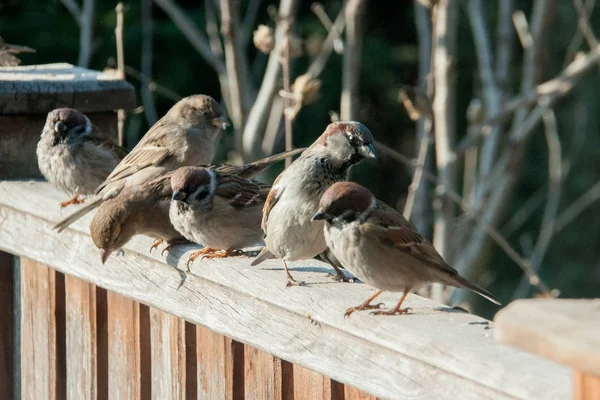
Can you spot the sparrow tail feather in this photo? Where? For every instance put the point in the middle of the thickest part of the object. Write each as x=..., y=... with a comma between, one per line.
x=262, y=256
x=480, y=291
x=65, y=223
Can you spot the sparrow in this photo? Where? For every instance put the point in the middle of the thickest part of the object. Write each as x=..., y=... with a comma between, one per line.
x=289, y=233
x=378, y=245
x=185, y=136
x=136, y=210
x=74, y=155
x=220, y=207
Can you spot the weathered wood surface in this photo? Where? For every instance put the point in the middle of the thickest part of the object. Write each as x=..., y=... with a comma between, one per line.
x=7, y=318
x=433, y=353
x=168, y=355
x=562, y=330
x=42, y=358
x=37, y=89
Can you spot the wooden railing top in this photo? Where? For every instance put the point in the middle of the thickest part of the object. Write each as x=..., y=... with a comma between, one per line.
x=434, y=353
x=38, y=89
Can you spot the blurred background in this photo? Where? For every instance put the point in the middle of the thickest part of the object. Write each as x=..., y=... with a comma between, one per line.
x=493, y=103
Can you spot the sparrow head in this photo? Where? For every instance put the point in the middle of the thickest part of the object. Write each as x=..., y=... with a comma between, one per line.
x=111, y=227
x=199, y=111
x=345, y=202
x=346, y=142
x=66, y=125
x=193, y=184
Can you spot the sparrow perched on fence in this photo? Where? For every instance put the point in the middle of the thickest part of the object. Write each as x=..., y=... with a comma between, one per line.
x=184, y=136
x=74, y=155
x=136, y=210
x=379, y=246
x=220, y=207
x=289, y=233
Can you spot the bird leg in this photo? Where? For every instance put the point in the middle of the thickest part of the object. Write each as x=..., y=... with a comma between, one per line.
x=340, y=276
x=290, y=280
x=201, y=252
x=396, y=310
x=156, y=243
x=74, y=200
x=366, y=305
x=172, y=243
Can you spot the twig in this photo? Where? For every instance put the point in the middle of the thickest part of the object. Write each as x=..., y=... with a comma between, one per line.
x=146, y=63
x=237, y=69
x=487, y=228
x=524, y=212
x=121, y=115
x=259, y=113
x=577, y=207
x=417, y=177
x=491, y=93
x=552, y=203
x=285, y=66
x=153, y=86
x=86, y=26
x=196, y=38
x=214, y=39
x=351, y=61
x=578, y=36
x=583, y=22
x=248, y=22
x=444, y=116
x=318, y=64
x=73, y=8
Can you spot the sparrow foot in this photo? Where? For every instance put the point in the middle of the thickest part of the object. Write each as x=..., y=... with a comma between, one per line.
x=74, y=200
x=171, y=244
x=393, y=311
x=292, y=282
x=156, y=243
x=362, y=307
x=223, y=254
x=343, y=278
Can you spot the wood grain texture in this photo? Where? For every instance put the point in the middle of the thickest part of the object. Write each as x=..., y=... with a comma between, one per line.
x=215, y=365
x=562, y=330
x=40, y=355
x=7, y=318
x=34, y=89
x=434, y=352
x=352, y=393
x=262, y=374
x=81, y=339
x=168, y=355
x=124, y=370
x=585, y=386
x=309, y=385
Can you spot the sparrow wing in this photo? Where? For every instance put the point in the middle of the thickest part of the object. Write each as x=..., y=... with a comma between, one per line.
x=272, y=199
x=99, y=138
x=241, y=192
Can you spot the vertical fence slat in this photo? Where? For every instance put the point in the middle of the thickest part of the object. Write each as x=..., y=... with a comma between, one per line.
x=7, y=318
x=168, y=355
x=124, y=374
x=41, y=358
x=215, y=365
x=586, y=386
x=263, y=375
x=311, y=385
x=352, y=393
x=81, y=339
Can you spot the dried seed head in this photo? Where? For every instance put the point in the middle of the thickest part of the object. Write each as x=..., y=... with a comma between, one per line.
x=263, y=39
x=306, y=89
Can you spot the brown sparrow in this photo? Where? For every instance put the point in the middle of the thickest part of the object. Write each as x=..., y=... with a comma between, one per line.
x=219, y=206
x=184, y=136
x=136, y=210
x=74, y=155
x=379, y=246
x=289, y=233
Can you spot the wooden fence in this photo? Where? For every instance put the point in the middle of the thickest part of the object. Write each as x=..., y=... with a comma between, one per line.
x=139, y=327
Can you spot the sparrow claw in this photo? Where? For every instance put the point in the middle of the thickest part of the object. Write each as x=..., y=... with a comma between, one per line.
x=343, y=278
x=394, y=311
x=292, y=282
x=156, y=243
x=362, y=307
x=74, y=200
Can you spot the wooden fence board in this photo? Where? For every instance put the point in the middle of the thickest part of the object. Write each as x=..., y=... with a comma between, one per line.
x=310, y=385
x=40, y=356
x=263, y=375
x=586, y=386
x=7, y=350
x=215, y=367
x=168, y=355
x=81, y=339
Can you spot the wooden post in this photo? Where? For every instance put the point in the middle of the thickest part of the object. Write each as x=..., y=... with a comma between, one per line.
x=28, y=93
x=7, y=318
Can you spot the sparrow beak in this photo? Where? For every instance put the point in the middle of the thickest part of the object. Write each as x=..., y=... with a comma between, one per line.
x=220, y=122
x=104, y=254
x=60, y=127
x=178, y=195
x=367, y=151
x=319, y=215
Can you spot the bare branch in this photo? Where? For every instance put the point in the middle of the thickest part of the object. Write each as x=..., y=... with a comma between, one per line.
x=146, y=63
x=318, y=64
x=248, y=23
x=417, y=177
x=578, y=36
x=583, y=22
x=212, y=29
x=121, y=115
x=285, y=67
x=351, y=62
x=73, y=8
x=196, y=38
x=259, y=114
x=444, y=115
x=237, y=69
x=577, y=207
x=153, y=86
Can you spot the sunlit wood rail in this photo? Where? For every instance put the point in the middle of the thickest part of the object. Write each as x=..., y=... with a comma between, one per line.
x=138, y=327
